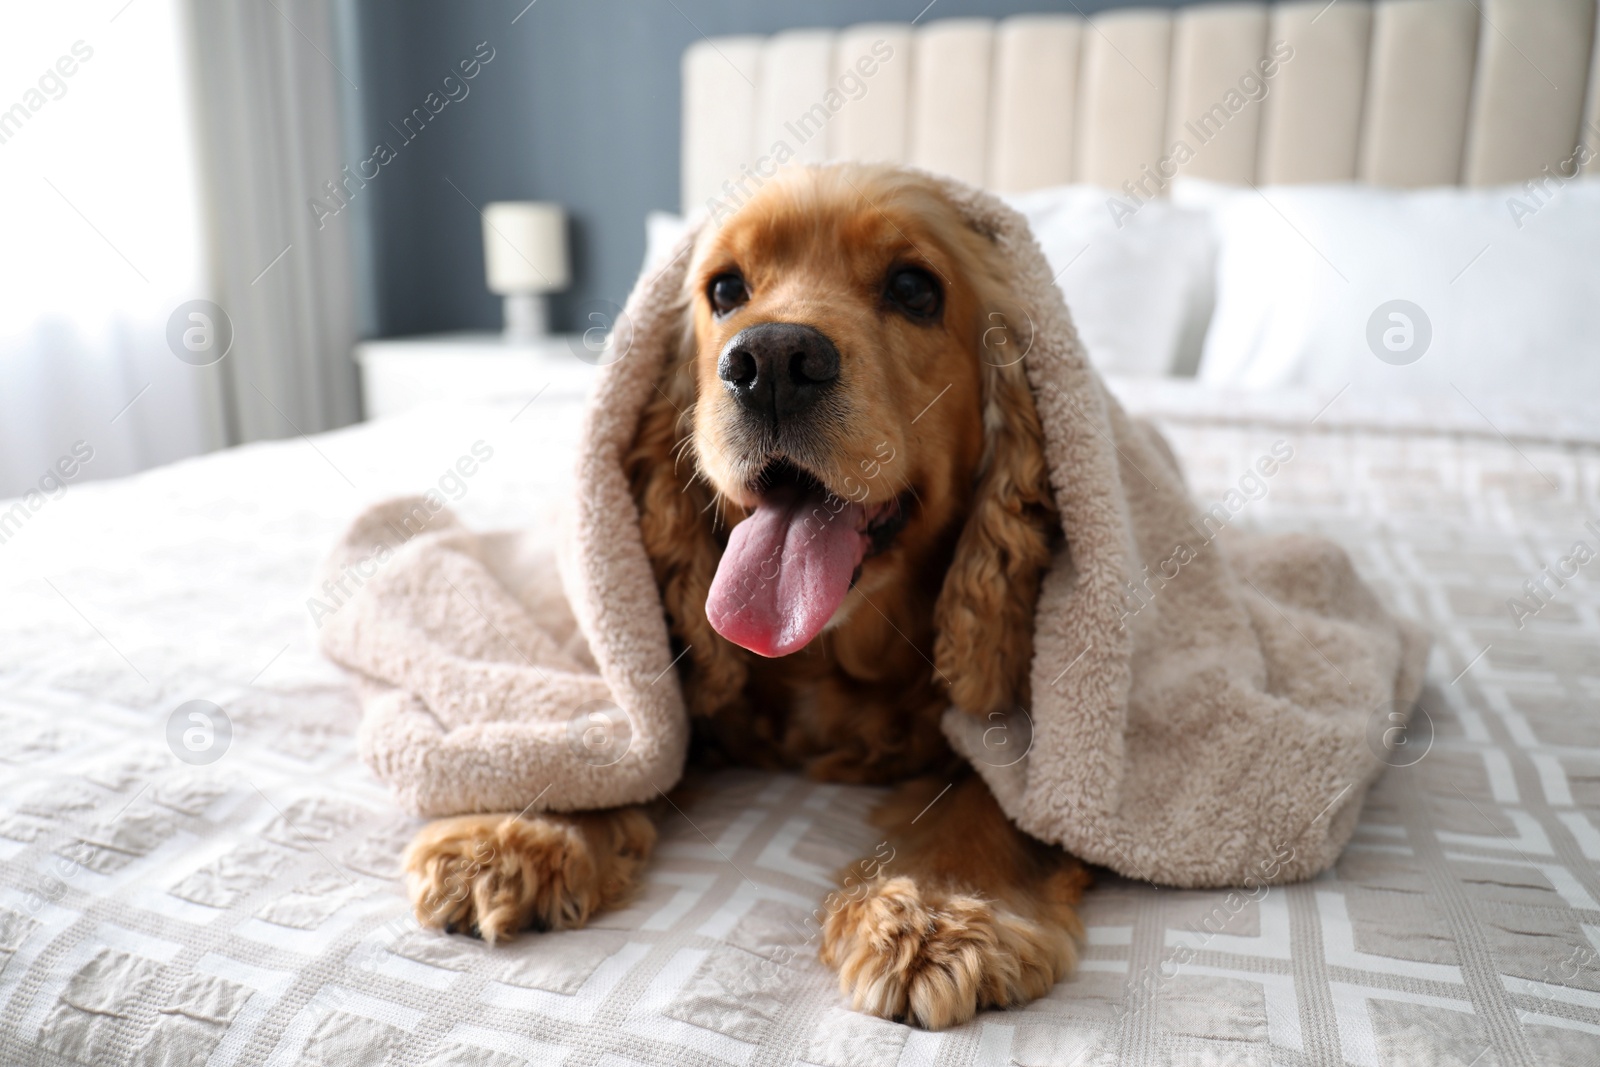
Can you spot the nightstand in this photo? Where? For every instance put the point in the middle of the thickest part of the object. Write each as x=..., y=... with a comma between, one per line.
x=404, y=372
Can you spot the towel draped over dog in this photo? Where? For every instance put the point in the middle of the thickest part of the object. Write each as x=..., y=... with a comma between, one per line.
x=1203, y=702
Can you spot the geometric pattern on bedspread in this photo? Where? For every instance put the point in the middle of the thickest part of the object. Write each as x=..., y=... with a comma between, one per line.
x=250, y=913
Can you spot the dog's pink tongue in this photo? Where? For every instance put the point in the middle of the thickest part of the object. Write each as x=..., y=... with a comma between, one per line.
x=785, y=572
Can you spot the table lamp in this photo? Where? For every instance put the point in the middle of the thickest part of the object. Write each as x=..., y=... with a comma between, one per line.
x=525, y=257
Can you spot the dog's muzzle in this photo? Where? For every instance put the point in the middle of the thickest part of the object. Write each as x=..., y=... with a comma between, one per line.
x=778, y=370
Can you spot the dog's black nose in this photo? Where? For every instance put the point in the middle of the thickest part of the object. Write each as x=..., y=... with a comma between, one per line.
x=778, y=369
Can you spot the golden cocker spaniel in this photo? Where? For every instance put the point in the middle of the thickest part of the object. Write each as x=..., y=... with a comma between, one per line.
x=842, y=490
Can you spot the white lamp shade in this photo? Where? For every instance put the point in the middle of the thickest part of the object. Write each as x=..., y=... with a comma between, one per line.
x=525, y=247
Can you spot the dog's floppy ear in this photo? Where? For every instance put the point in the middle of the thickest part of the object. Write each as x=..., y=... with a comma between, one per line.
x=676, y=520
x=984, y=615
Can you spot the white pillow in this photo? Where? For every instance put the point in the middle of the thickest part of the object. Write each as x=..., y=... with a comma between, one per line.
x=661, y=232
x=1500, y=290
x=1139, y=293
x=1139, y=286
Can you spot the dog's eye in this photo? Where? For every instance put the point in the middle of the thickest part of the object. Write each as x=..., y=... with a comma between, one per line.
x=726, y=292
x=915, y=292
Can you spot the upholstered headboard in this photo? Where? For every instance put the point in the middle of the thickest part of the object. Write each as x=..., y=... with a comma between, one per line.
x=1397, y=92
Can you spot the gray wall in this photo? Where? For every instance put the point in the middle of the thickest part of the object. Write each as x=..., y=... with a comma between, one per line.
x=579, y=105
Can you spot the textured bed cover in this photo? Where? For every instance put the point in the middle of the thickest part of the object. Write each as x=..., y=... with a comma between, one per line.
x=248, y=911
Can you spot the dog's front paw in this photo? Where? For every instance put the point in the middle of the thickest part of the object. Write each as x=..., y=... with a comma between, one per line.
x=495, y=875
x=934, y=959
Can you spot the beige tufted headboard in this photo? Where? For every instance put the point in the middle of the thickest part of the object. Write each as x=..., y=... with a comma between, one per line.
x=1397, y=92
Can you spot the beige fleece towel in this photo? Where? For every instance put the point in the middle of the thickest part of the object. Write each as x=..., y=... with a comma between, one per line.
x=1201, y=706
x=478, y=690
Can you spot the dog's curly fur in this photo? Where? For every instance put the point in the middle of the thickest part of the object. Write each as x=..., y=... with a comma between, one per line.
x=908, y=952
x=976, y=918
x=495, y=875
x=974, y=914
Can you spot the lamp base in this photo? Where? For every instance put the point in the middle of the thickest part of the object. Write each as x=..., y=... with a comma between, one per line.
x=526, y=317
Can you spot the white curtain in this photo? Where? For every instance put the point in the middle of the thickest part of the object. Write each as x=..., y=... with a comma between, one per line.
x=275, y=77
x=154, y=153
x=100, y=243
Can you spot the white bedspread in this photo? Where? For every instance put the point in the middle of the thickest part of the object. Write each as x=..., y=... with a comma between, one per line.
x=248, y=911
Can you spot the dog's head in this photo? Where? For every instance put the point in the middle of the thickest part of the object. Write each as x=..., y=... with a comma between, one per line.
x=860, y=415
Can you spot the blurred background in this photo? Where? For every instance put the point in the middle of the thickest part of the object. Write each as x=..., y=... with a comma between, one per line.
x=329, y=209
x=158, y=152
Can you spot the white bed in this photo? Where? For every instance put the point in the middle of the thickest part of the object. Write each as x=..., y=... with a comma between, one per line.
x=248, y=911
